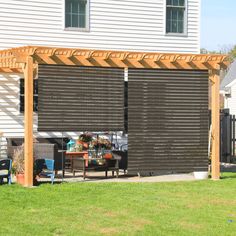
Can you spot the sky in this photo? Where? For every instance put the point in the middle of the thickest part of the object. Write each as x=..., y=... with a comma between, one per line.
x=218, y=24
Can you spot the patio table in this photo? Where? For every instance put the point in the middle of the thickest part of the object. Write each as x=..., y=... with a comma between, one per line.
x=70, y=156
x=96, y=164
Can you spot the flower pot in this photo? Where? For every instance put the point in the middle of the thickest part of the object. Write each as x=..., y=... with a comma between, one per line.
x=85, y=145
x=200, y=175
x=20, y=179
x=107, y=156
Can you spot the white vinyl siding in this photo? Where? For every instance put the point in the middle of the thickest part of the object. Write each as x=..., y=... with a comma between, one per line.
x=132, y=25
x=231, y=101
x=11, y=121
x=3, y=147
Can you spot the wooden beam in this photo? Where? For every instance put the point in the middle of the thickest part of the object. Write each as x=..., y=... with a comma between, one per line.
x=215, y=118
x=105, y=58
x=28, y=144
x=10, y=70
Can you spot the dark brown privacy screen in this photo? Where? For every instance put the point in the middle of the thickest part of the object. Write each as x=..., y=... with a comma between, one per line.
x=167, y=121
x=80, y=98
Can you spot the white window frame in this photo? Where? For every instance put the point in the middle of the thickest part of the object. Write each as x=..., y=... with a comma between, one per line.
x=87, y=27
x=185, y=33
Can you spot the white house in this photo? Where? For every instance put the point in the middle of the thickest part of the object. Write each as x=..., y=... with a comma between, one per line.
x=150, y=25
x=133, y=25
x=228, y=89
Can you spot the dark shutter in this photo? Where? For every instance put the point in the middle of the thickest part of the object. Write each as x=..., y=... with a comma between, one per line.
x=80, y=98
x=167, y=121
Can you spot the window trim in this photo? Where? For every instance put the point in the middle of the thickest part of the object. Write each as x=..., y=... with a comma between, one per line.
x=185, y=33
x=87, y=27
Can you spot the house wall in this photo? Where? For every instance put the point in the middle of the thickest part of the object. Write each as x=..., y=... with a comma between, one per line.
x=231, y=101
x=118, y=25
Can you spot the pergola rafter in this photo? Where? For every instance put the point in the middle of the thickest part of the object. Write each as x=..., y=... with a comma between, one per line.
x=26, y=59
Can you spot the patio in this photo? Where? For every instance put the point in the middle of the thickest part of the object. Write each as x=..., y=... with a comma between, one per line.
x=99, y=178
x=185, y=68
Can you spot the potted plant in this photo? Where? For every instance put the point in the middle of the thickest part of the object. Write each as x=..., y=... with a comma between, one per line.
x=105, y=143
x=18, y=165
x=103, y=147
x=101, y=143
x=85, y=139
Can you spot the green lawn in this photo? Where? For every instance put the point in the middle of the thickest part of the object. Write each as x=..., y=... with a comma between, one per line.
x=183, y=208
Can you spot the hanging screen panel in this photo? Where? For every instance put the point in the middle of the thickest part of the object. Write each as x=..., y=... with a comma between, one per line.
x=75, y=98
x=167, y=121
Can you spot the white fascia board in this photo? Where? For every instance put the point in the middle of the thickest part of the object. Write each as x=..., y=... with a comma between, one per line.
x=231, y=84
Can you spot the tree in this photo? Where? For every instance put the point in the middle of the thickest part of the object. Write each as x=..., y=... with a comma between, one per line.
x=232, y=52
x=229, y=50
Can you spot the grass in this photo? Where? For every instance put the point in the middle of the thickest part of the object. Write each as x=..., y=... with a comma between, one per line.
x=182, y=208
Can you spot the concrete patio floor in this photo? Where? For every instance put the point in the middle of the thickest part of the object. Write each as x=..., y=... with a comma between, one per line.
x=99, y=177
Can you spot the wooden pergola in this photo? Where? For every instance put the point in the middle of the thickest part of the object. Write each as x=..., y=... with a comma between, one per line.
x=26, y=59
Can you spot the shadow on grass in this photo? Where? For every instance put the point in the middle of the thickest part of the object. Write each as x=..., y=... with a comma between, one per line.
x=48, y=182
x=228, y=175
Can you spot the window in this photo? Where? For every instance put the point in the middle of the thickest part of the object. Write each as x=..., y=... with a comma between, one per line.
x=76, y=14
x=175, y=16
x=22, y=95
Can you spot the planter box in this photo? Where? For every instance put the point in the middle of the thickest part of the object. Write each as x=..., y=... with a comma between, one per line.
x=200, y=175
x=20, y=179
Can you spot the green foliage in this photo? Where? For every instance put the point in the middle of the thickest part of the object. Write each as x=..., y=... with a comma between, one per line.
x=18, y=165
x=232, y=52
x=86, y=137
x=205, y=51
x=228, y=50
x=182, y=208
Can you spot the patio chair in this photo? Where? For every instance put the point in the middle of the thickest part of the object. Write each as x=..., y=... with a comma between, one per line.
x=5, y=170
x=45, y=168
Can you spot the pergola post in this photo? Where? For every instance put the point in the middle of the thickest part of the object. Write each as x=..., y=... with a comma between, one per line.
x=215, y=119
x=28, y=142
